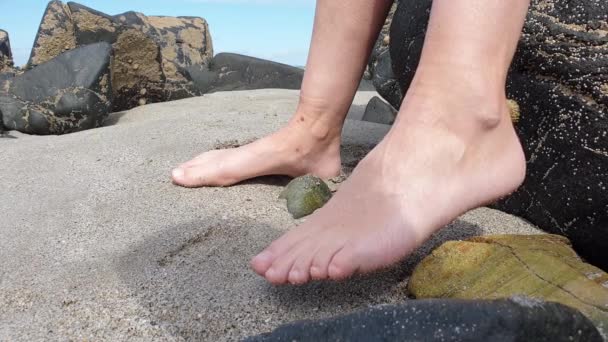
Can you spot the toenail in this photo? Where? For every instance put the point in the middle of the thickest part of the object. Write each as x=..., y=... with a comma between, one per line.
x=294, y=276
x=336, y=272
x=178, y=173
x=262, y=257
x=270, y=273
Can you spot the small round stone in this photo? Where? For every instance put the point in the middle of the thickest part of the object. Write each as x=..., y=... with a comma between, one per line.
x=305, y=194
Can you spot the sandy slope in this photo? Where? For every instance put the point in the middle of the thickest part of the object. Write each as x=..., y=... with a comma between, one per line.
x=96, y=243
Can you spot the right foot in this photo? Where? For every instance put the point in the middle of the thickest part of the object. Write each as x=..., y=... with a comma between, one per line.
x=446, y=153
x=302, y=147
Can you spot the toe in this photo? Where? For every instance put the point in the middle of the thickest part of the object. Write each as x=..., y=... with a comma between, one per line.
x=300, y=271
x=190, y=177
x=343, y=264
x=282, y=267
x=320, y=262
x=201, y=159
x=298, y=276
x=262, y=262
x=279, y=271
x=193, y=162
x=178, y=175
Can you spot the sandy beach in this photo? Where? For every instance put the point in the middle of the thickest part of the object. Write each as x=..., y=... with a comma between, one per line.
x=97, y=244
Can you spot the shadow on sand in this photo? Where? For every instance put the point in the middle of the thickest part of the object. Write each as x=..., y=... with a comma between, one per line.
x=196, y=282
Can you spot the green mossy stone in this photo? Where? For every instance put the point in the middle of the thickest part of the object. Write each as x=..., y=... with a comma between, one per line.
x=502, y=266
x=305, y=194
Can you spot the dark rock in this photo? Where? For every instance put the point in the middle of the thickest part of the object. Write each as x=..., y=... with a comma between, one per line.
x=407, y=35
x=6, y=56
x=66, y=94
x=517, y=319
x=150, y=52
x=228, y=71
x=380, y=66
x=203, y=78
x=559, y=79
x=5, y=78
x=380, y=112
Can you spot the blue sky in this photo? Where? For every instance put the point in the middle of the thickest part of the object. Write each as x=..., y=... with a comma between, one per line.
x=273, y=29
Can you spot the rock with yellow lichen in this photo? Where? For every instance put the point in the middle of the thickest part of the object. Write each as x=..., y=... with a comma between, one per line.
x=501, y=266
x=150, y=52
x=514, y=110
x=6, y=57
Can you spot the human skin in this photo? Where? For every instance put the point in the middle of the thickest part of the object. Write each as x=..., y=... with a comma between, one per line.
x=452, y=148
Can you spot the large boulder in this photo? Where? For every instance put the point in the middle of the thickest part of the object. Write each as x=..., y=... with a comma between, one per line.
x=6, y=65
x=517, y=319
x=6, y=56
x=150, y=52
x=229, y=71
x=559, y=77
x=69, y=93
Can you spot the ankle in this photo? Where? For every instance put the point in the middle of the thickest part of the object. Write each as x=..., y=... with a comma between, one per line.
x=469, y=106
x=319, y=121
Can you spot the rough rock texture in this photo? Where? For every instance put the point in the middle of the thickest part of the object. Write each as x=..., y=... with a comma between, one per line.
x=380, y=112
x=55, y=34
x=6, y=56
x=6, y=68
x=560, y=80
x=67, y=94
x=229, y=71
x=305, y=194
x=540, y=266
x=380, y=66
x=518, y=319
x=150, y=53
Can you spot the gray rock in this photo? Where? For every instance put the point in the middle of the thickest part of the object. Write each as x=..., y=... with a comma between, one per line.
x=380, y=112
x=6, y=56
x=150, y=52
x=229, y=71
x=69, y=93
x=558, y=78
x=305, y=194
x=517, y=319
x=366, y=85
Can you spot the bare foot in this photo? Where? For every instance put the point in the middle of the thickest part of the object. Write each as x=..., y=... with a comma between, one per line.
x=439, y=160
x=302, y=147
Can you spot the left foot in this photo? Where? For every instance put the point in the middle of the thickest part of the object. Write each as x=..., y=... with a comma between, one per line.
x=437, y=162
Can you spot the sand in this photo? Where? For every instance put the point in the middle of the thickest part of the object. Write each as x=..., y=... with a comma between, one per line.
x=96, y=243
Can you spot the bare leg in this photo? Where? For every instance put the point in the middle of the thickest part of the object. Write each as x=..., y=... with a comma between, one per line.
x=453, y=148
x=344, y=33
